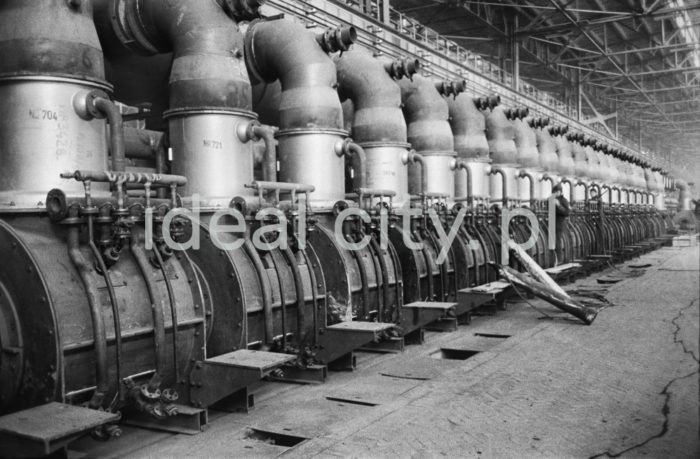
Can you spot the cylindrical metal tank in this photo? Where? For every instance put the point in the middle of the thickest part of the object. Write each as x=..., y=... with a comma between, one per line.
x=469, y=130
x=429, y=133
x=376, y=121
x=310, y=113
x=49, y=58
x=527, y=157
x=207, y=142
x=548, y=160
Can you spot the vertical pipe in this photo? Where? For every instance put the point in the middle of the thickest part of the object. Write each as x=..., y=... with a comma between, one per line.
x=116, y=132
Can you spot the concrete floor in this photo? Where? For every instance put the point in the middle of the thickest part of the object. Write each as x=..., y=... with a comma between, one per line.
x=626, y=386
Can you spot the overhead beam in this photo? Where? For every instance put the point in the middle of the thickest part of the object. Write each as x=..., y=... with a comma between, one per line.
x=598, y=118
x=650, y=72
x=600, y=49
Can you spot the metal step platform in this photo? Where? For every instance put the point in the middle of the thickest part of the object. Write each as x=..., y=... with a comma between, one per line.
x=46, y=429
x=336, y=339
x=469, y=299
x=564, y=273
x=225, y=378
x=431, y=315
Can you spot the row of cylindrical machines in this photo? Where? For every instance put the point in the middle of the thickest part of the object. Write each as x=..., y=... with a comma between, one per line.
x=108, y=299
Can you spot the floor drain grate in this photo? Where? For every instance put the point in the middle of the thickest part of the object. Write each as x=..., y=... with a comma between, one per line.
x=453, y=354
x=274, y=438
x=492, y=335
x=352, y=401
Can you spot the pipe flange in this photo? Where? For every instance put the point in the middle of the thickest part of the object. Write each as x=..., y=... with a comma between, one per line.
x=84, y=104
x=242, y=10
x=399, y=68
x=333, y=40
x=129, y=28
x=56, y=205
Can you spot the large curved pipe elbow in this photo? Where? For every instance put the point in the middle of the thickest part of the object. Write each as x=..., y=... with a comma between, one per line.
x=369, y=84
x=426, y=113
x=207, y=70
x=285, y=50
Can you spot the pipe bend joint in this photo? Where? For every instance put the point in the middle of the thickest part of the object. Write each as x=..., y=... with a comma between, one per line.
x=97, y=105
x=522, y=173
x=461, y=164
x=337, y=39
x=254, y=130
x=415, y=157
x=496, y=170
x=353, y=150
x=246, y=131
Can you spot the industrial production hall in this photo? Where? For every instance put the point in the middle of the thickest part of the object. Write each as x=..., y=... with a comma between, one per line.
x=350, y=228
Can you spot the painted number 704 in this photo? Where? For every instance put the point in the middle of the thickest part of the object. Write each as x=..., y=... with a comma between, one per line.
x=41, y=114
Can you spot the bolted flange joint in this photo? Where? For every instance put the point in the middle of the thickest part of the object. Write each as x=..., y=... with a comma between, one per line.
x=337, y=39
x=242, y=10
